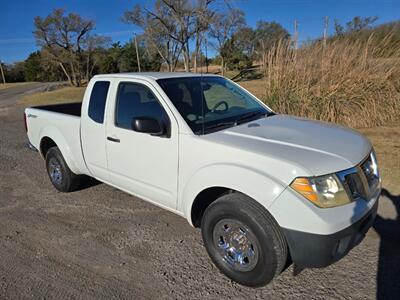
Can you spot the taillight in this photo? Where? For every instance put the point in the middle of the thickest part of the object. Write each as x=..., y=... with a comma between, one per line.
x=25, y=123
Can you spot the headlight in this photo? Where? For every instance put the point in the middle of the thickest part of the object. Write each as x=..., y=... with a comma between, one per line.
x=323, y=191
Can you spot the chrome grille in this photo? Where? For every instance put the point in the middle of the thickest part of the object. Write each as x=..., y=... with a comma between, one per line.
x=363, y=180
x=355, y=186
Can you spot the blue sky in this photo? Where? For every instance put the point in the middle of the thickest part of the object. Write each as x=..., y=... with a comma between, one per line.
x=16, y=17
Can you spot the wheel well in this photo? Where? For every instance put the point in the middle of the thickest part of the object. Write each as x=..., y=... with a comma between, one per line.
x=45, y=144
x=203, y=200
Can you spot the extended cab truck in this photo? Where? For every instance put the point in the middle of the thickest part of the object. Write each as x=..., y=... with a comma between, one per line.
x=266, y=189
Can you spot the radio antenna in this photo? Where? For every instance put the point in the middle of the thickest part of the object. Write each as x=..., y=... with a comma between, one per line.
x=201, y=87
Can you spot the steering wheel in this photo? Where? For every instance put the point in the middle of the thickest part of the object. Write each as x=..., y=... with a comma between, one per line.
x=218, y=104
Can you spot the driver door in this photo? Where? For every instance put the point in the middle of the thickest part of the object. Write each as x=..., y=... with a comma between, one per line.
x=140, y=163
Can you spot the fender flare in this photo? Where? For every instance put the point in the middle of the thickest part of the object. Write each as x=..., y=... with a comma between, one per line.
x=54, y=134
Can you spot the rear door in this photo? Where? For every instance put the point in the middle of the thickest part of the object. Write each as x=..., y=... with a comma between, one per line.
x=140, y=163
x=93, y=130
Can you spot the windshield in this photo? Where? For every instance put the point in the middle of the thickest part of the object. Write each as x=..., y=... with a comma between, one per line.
x=211, y=103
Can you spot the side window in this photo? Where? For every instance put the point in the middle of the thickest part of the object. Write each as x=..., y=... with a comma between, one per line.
x=97, y=102
x=136, y=100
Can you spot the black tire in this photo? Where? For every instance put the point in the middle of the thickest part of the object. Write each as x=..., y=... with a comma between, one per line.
x=67, y=181
x=268, y=249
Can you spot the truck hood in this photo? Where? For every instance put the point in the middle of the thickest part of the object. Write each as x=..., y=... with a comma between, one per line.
x=318, y=147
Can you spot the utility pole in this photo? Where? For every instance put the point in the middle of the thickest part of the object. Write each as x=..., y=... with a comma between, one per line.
x=2, y=72
x=296, y=35
x=137, y=54
x=326, y=23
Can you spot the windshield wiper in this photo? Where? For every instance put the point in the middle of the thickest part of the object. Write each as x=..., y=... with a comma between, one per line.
x=219, y=126
x=244, y=118
x=251, y=116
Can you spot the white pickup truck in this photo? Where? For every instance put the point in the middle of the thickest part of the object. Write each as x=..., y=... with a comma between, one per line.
x=266, y=189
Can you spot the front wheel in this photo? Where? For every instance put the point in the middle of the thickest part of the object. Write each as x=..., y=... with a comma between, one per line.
x=243, y=240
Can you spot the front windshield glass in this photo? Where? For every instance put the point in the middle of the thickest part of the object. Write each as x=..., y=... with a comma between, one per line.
x=211, y=103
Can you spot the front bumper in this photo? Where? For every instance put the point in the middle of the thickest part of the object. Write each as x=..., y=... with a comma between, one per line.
x=312, y=250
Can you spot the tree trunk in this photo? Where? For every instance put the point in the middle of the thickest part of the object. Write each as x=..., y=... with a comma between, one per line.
x=66, y=73
x=195, y=62
x=196, y=52
x=186, y=57
x=196, y=55
x=87, y=67
x=175, y=58
x=222, y=66
x=169, y=65
x=73, y=74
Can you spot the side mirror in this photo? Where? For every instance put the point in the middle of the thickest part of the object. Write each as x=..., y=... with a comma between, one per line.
x=148, y=125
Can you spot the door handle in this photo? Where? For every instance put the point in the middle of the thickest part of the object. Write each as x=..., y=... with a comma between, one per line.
x=111, y=139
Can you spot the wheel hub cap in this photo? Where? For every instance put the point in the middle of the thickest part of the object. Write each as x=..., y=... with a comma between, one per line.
x=55, y=171
x=236, y=244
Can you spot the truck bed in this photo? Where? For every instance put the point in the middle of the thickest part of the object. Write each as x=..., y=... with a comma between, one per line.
x=62, y=124
x=64, y=108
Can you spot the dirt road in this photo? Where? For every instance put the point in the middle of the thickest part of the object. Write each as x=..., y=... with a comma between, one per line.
x=101, y=243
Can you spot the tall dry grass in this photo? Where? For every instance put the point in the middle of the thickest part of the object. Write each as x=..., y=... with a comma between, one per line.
x=347, y=81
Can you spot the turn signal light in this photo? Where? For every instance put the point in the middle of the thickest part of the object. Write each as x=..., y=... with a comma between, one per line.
x=303, y=187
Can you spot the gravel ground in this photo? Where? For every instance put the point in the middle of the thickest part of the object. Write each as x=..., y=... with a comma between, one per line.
x=101, y=243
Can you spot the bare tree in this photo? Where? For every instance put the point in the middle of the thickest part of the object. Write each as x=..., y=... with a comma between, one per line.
x=66, y=38
x=223, y=26
x=158, y=35
x=182, y=13
x=170, y=26
x=93, y=44
x=203, y=17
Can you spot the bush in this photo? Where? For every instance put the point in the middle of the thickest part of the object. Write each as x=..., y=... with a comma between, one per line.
x=348, y=81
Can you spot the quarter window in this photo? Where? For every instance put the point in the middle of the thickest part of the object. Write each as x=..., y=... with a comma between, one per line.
x=97, y=101
x=136, y=100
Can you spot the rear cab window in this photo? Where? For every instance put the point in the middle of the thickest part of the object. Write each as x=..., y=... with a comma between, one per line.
x=97, y=102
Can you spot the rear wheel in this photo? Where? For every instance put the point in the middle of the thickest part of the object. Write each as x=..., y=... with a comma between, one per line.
x=62, y=178
x=243, y=240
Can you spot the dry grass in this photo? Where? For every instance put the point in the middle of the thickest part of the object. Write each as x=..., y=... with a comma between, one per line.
x=347, y=82
x=256, y=87
x=63, y=95
x=4, y=86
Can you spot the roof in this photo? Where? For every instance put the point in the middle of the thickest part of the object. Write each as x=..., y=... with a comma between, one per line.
x=154, y=75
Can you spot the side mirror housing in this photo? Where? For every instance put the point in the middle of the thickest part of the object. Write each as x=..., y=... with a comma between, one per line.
x=148, y=125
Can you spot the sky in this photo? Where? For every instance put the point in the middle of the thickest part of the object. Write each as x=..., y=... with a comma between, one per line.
x=16, y=17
